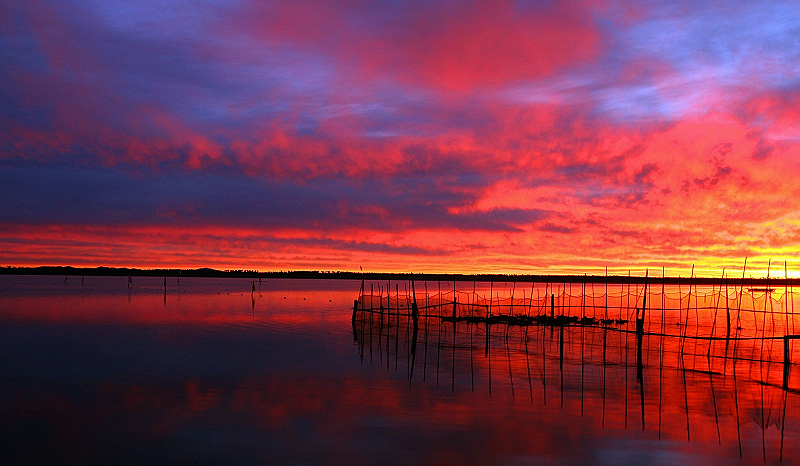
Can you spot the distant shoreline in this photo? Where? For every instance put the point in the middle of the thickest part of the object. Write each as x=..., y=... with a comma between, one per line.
x=380, y=276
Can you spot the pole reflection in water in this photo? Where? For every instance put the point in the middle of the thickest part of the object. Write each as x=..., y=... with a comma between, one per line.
x=690, y=383
x=285, y=371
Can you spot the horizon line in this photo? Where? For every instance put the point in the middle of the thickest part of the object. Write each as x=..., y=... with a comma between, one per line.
x=372, y=275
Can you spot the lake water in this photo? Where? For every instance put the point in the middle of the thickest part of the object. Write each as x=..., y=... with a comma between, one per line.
x=232, y=371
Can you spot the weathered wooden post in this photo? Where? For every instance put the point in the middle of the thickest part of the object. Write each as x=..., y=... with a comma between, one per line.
x=552, y=305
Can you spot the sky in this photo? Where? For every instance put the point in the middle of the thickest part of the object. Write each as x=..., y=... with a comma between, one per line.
x=419, y=136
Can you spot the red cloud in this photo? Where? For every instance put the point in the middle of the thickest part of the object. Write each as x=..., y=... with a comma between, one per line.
x=433, y=44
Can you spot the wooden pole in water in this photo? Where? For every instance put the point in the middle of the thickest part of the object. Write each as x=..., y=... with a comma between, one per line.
x=569, y=309
x=380, y=305
x=727, y=313
x=474, y=297
x=489, y=308
x=786, y=294
x=606, y=314
x=407, y=289
x=791, y=293
x=530, y=303
x=741, y=296
x=427, y=311
x=786, y=359
x=583, y=296
x=361, y=294
x=513, y=289
x=688, y=309
x=455, y=301
x=547, y=291
x=552, y=305
x=663, y=296
x=786, y=362
x=640, y=321
x=767, y=300
x=628, y=305
x=414, y=309
x=439, y=310
x=716, y=308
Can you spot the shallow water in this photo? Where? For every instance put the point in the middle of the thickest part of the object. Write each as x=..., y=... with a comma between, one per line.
x=102, y=370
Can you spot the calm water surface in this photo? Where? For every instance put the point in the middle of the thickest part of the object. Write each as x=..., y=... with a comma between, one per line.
x=100, y=370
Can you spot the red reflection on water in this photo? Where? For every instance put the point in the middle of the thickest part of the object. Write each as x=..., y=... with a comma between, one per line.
x=709, y=392
x=256, y=390
x=188, y=300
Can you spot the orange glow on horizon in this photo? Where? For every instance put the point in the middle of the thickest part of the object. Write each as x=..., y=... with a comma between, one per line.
x=542, y=138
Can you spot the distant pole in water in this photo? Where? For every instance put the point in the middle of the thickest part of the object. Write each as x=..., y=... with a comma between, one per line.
x=727, y=313
x=513, y=289
x=786, y=294
x=455, y=301
x=640, y=321
x=489, y=307
x=583, y=296
x=414, y=312
x=716, y=308
x=606, y=314
x=663, y=295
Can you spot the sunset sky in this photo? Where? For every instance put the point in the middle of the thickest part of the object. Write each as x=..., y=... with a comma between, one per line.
x=421, y=136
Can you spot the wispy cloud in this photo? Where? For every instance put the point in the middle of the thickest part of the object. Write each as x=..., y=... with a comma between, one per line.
x=386, y=132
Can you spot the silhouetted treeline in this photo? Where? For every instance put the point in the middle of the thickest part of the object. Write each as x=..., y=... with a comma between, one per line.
x=379, y=276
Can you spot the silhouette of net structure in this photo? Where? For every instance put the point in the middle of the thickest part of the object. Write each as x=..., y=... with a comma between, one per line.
x=757, y=323
x=641, y=350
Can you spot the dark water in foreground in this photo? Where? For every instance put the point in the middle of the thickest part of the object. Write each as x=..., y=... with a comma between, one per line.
x=214, y=372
